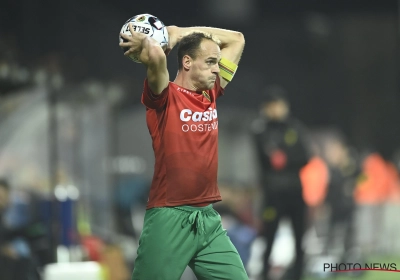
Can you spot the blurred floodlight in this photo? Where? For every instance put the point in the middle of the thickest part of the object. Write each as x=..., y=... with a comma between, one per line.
x=73, y=192
x=60, y=192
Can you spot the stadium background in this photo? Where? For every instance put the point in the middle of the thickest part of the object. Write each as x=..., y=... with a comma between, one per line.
x=71, y=114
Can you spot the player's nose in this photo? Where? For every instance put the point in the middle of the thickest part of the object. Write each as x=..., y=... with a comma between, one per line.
x=215, y=69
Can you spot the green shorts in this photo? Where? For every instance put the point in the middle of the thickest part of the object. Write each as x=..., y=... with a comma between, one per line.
x=175, y=237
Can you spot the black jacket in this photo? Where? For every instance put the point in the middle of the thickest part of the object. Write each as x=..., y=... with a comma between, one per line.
x=282, y=151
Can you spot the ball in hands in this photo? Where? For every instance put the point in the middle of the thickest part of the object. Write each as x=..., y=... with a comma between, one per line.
x=150, y=26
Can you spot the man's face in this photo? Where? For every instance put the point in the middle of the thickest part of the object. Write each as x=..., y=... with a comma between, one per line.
x=204, y=69
x=4, y=198
x=276, y=110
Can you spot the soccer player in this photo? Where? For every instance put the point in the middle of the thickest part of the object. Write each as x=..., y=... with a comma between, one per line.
x=180, y=225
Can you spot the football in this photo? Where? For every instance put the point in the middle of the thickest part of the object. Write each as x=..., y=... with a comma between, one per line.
x=149, y=25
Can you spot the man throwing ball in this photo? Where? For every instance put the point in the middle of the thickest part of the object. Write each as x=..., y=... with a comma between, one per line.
x=180, y=225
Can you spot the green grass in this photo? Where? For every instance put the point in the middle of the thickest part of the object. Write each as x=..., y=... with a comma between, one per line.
x=369, y=275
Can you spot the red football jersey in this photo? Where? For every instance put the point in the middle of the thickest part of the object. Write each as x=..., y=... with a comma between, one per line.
x=183, y=125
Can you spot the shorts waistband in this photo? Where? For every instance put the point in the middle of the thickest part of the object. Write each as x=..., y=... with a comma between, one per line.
x=194, y=208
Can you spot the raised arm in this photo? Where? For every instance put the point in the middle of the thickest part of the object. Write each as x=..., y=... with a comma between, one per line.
x=151, y=55
x=232, y=42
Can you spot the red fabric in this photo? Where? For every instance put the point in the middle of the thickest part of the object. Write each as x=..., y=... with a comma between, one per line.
x=278, y=159
x=374, y=187
x=314, y=178
x=183, y=125
x=93, y=246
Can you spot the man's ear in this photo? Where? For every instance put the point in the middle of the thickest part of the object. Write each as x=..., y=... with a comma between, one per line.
x=187, y=62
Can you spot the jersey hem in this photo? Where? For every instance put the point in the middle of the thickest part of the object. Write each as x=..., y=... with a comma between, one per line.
x=185, y=202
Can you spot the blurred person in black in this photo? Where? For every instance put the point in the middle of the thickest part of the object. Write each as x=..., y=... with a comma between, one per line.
x=14, y=261
x=280, y=142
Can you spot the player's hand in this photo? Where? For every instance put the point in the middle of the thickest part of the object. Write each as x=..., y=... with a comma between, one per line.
x=132, y=43
x=174, y=37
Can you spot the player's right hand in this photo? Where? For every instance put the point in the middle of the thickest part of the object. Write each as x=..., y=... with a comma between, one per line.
x=133, y=42
x=174, y=35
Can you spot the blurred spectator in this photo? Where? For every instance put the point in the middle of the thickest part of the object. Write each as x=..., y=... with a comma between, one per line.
x=15, y=262
x=282, y=151
x=344, y=171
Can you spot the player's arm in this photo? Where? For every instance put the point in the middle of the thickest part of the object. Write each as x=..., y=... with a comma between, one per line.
x=232, y=45
x=151, y=55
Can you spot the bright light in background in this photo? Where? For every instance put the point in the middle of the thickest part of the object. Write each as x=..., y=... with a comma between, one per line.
x=60, y=192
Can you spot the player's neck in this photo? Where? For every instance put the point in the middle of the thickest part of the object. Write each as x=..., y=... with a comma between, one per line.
x=184, y=81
